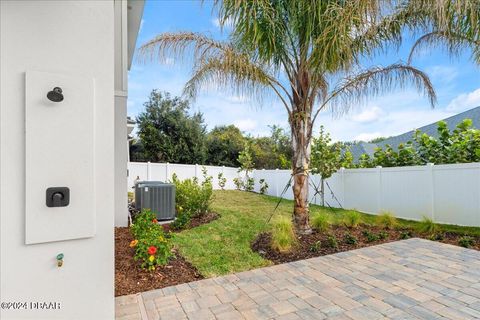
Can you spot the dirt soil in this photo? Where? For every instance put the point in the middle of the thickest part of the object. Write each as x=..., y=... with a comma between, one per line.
x=317, y=244
x=130, y=278
x=195, y=221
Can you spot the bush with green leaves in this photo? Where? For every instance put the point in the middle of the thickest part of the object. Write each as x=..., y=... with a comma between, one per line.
x=371, y=237
x=460, y=145
x=332, y=241
x=193, y=199
x=350, y=239
x=315, y=247
x=152, y=245
x=263, y=186
x=382, y=235
x=387, y=220
x=222, y=181
x=466, y=242
x=352, y=219
x=249, y=184
x=321, y=222
x=238, y=182
x=283, y=234
x=427, y=225
x=436, y=237
x=405, y=235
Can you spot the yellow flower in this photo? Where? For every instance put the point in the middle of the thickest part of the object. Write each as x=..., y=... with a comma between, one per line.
x=161, y=238
x=151, y=258
x=133, y=243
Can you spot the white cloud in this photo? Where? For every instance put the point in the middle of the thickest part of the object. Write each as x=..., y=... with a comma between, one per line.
x=445, y=74
x=246, y=124
x=465, y=101
x=368, y=115
x=367, y=136
x=237, y=99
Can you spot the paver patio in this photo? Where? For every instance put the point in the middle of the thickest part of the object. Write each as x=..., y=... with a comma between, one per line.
x=409, y=279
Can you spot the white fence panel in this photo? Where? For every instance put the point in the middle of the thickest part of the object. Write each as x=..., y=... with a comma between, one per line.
x=406, y=192
x=446, y=193
x=456, y=194
x=361, y=189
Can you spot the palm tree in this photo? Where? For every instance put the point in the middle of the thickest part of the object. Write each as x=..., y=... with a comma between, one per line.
x=305, y=53
x=454, y=24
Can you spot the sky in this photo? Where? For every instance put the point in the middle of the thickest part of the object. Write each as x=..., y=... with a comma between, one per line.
x=456, y=81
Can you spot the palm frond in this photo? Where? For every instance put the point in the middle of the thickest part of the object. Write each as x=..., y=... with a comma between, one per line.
x=234, y=71
x=180, y=44
x=454, y=43
x=357, y=89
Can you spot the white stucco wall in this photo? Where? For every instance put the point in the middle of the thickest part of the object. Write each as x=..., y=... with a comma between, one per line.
x=121, y=88
x=67, y=37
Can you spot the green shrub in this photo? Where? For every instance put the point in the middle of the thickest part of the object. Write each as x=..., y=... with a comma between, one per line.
x=332, y=242
x=382, y=235
x=436, y=237
x=405, y=235
x=321, y=222
x=192, y=197
x=315, y=246
x=249, y=184
x=352, y=219
x=371, y=237
x=263, y=186
x=238, y=182
x=427, y=225
x=182, y=219
x=222, y=181
x=152, y=246
x=283, y=235
x=350, y=239
x=466, y=242
x=387, y=220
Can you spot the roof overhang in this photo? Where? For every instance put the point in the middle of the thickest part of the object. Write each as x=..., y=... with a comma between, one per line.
x=135, y=13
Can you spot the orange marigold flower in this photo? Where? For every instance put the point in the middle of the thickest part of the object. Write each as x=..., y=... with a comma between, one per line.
x=133, y=243
x=155, y=221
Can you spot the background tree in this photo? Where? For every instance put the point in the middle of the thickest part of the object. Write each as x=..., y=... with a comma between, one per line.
x=307, y=53
x=169, y=133
x=327, y=158
x=462, y=145
x=224, y=144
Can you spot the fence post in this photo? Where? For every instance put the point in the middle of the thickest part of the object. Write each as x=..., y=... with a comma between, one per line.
x=429, y=168
x=342, y=180
x=379, y=193
x=196, y=170
x=276, y=182
x=149, y=171
x=167, y=172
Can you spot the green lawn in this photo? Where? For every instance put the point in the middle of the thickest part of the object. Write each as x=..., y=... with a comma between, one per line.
x=223, y=246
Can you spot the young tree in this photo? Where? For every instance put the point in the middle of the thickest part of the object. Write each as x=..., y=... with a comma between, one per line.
x=296, y=50
x=327, y=158
x=169, y=133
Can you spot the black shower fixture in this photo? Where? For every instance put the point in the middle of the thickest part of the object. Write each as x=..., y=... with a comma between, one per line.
x=55, y=95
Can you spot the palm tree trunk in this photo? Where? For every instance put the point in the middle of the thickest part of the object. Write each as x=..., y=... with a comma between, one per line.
x=301, y=144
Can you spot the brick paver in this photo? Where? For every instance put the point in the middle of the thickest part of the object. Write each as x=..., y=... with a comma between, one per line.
x=409, y=279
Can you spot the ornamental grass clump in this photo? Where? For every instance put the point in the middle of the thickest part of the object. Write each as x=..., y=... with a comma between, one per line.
x=321, y=222
x=427, y=225
x=352, y=219
x=283, y=235
x=152, y=245
x=387, y=220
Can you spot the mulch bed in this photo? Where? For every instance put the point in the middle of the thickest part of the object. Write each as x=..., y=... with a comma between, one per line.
x=131, y=278
x=316, y=244
x=195, y=221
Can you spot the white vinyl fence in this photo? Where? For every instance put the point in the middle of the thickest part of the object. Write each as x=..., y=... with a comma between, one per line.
x=446, y=193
